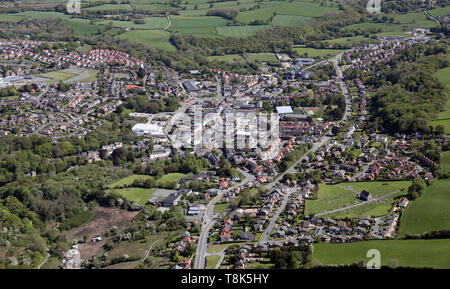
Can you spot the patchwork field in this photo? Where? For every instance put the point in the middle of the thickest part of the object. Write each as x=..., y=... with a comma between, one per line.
x=340, y=196
x=409, y=253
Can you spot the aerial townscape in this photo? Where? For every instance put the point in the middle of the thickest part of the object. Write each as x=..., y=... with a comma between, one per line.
x=248, y=134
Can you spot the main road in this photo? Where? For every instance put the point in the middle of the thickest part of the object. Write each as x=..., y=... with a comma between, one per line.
x=209, y=218
x=315, y=147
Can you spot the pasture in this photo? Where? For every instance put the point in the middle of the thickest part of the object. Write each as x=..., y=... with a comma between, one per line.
x=409, y=253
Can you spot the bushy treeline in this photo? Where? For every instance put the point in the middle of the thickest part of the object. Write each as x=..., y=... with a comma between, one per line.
x=407, y=95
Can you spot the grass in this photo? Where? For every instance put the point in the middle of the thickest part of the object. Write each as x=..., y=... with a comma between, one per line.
x=220, y=208
x=289, y=20
x=331, y=197
x=409, y=253
x=150, y=23
x=92, y=76
x=199, y=26
x=430, y=212
x=170, y=178
x=239, y=31
x=77, y=220
x=137, y=195
x=313, y=52
x=258, y=265
x=445, y=162
x=444, y=117
x=227, y=58
x=220, y=247
x=211, y=261
x=262, y=56
x=58, y=75
x=151, y=38
x=127, y=180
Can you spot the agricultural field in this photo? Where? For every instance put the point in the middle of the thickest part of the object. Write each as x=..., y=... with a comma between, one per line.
x=429, y=212
x=409, y=253
x=239, y=31
x=151, y=38
x=339, y=196
x=150, y=23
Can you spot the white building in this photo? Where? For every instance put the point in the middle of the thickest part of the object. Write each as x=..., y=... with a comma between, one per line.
x=148, y=129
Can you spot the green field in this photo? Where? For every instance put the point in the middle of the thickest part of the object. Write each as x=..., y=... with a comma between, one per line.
x=211, y=261
x=170, y=178
x=227, y=58
x=239, y=31
x=409, y=253
x=331, y=197
x=430, y=212
x=220, y=208
x=137, y=195
x=150, y=23
x=151, y=38
x=127, y=180
x=444, y=117
x=314, y=52
x=58, y=75
x=446, y=162
x=289, y=20
x=262, y=56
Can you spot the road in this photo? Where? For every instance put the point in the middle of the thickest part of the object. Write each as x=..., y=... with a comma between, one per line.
x=315, y=147
x=209, y=218
x=429, y=15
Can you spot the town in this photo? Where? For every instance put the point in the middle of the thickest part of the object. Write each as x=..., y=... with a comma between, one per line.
x=206, y=192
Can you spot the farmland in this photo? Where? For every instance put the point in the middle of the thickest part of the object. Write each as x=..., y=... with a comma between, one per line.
x=429, y=212
x=409, y=253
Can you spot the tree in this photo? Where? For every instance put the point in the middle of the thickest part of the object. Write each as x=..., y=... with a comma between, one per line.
x=439, y=129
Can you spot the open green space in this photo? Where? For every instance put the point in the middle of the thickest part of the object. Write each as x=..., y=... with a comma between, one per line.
x=59, y=75
x=151, y=38
x=314, y=52
x=331, y=197
x=444, y=117
x=211, y=261
x=127, y=180
x=409, y=253
x=137, y=195
x=430, y=212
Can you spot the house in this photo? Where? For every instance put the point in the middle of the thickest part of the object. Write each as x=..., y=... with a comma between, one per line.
x=247, y=236
x=364, y=195
x=403, y=202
